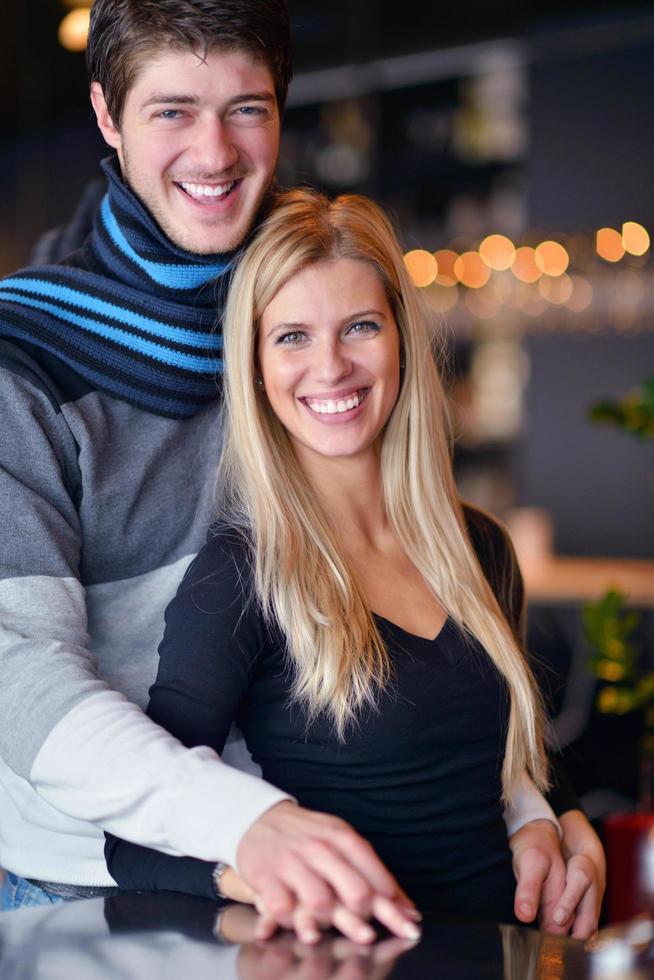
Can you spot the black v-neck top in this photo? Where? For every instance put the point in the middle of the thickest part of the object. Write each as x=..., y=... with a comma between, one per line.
x=420, y=778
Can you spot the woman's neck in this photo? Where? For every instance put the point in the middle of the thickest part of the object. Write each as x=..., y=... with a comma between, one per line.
x=350, y=492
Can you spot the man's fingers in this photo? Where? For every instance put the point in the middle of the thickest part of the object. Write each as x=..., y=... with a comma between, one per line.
x=530, y=869
x=395, y=918
x=361, y=855
x=352, y=925
x=312, y=885
x=274, y=899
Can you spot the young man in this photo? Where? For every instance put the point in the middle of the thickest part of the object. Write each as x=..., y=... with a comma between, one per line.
x=110, y=442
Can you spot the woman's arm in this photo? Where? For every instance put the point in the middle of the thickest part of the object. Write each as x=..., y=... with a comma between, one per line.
x=567, y=898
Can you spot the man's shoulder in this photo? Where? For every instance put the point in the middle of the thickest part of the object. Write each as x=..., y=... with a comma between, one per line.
x=43, y=370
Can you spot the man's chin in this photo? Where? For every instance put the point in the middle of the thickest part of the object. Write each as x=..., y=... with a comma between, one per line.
x=206, y=244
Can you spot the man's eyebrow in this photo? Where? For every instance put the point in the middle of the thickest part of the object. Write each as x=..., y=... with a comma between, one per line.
x=176, y=98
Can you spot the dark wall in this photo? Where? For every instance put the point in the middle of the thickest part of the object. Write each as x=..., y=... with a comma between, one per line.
x=591, y=163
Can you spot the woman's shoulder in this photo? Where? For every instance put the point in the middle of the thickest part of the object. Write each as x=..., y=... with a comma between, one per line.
x=495, y=553
x=488, y=536
x=223, y=566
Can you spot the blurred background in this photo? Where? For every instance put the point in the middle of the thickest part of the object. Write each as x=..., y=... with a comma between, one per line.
x=514, y=147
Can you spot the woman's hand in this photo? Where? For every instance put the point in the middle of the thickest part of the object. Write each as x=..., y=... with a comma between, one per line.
x=581, y=902
x=566, y=897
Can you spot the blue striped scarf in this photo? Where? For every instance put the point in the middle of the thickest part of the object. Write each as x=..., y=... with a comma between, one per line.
x=132, y=313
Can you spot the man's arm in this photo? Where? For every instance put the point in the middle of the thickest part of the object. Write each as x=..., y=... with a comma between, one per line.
x=61, y=724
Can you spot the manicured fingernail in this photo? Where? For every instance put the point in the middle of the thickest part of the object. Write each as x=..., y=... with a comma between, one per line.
x=560, y=916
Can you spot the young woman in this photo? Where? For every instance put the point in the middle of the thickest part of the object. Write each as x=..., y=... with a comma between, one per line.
x=353, y=618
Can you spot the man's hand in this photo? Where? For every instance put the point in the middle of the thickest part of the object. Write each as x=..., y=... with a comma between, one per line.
x=539, y=869
x=567, y=897
x=309, y=870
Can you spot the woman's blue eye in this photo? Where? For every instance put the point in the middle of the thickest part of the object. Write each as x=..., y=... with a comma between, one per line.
x=363, y=327
x=292, y=337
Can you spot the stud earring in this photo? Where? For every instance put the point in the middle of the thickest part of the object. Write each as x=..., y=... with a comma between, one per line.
x=258, y=382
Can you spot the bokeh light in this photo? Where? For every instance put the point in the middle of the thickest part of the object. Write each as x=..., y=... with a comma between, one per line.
x=498, y=252
x=74, y=29
x=524, y=265
x=556, y=290
x=471, y=270
x=608, y=244
x=551, y=258
x=442, y=298
x=445, y=259
x=422, y=266
x=634, y=238
x=582, y=295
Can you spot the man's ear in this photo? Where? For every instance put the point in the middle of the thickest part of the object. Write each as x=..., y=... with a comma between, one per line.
x=105, y=122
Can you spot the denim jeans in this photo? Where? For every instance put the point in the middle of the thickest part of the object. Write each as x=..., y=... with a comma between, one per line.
x=18, y=893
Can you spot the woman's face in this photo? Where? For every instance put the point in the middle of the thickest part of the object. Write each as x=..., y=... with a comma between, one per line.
x=329, y=356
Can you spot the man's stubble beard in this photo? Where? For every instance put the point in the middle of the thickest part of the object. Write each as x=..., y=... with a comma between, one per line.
x=171, y=230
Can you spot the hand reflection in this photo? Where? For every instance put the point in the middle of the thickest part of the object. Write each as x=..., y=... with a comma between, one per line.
x=334, y=958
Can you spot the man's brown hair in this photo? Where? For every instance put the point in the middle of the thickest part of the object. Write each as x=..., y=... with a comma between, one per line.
x=123, y=32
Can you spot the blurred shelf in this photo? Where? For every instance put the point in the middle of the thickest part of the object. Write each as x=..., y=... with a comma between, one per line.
x=583, y=579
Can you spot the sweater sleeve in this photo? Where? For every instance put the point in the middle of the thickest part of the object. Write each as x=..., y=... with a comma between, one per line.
x=499, y=564
x=61, y=724
x=207, y=659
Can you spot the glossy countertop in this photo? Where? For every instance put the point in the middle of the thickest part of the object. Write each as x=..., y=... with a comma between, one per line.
x=134, y=937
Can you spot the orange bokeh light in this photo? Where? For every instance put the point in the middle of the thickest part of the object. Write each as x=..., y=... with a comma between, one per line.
x=422, y=267
x=634, y=238
x=551, y=258
x=524, y=265
x=498, y=252
x=445, y=259
x=556, y=289
x=582, y=295
x=471, y=270
x=608, y=244
x=74, y=29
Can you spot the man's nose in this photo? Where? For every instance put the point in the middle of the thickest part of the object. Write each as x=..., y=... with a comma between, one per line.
x=214, y=149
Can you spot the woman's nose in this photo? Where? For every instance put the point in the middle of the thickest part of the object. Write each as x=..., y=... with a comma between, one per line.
x=331, y=363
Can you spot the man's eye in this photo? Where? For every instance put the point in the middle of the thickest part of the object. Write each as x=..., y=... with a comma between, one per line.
x=362, y=327
x=169, y=114
x=252, y=113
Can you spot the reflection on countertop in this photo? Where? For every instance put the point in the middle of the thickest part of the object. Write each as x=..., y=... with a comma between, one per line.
x=133, y=937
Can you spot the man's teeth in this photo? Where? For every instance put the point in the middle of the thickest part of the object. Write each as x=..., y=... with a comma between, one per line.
x=207, y=190
x=330, y=407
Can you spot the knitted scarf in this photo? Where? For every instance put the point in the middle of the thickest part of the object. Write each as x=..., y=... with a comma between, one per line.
x=132, y=313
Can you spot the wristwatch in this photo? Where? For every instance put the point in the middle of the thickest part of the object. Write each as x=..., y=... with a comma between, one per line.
x=216, y=875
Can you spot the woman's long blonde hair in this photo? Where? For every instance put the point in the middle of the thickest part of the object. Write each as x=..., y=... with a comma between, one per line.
x=302, y=577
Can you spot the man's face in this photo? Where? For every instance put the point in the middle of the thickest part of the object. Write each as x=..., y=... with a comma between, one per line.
x=198, y=143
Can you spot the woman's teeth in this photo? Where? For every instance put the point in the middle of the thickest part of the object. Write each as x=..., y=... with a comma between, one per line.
x=331, y=407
